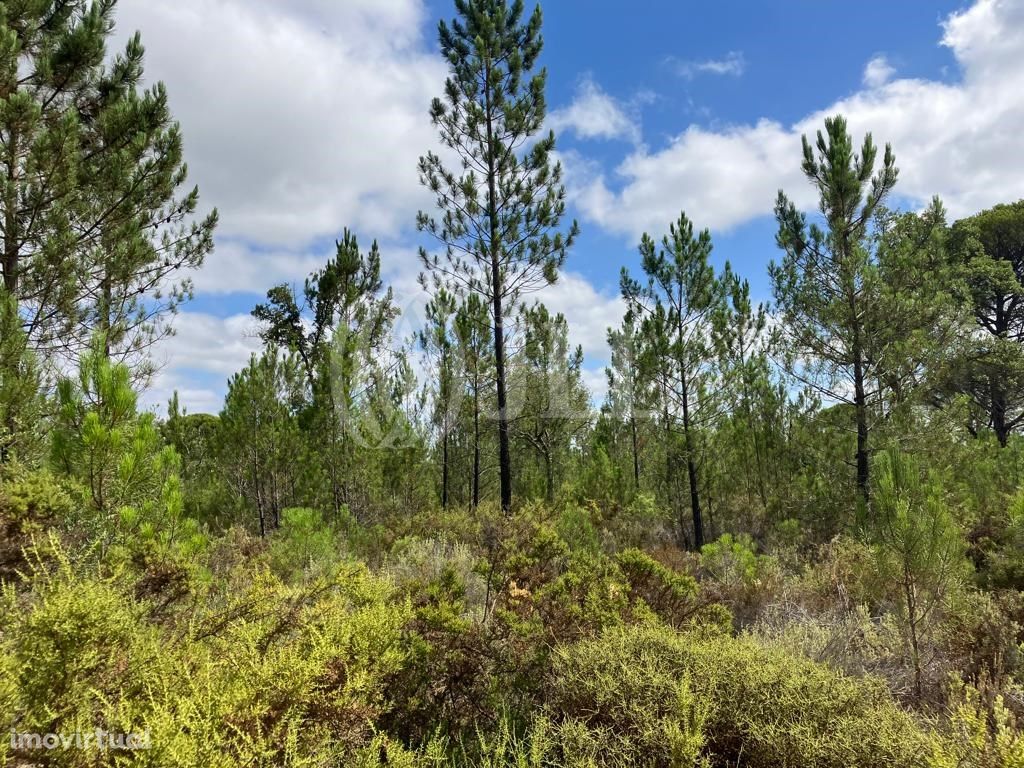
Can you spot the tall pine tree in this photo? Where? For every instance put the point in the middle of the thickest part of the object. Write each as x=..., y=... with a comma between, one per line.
x=500, y=209
x=828, y=276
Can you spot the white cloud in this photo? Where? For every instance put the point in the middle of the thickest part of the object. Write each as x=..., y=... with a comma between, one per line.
x=589, y=312
x=594, y=114
x=732, y=64
x=212, y=347
x=961, y=141
x=299, y=118
x=877, y=72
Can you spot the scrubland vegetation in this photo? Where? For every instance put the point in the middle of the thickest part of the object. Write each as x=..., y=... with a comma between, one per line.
x=790, y=535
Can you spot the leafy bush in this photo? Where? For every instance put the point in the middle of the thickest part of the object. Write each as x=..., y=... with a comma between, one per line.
x=304, y=542
x=30, y=503
x=759, y=707
x=617, y=703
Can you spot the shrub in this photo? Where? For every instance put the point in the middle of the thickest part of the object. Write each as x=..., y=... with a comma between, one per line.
x=977, y=736
x=738, y=577
x=617, y=703
x=303, y=542
x=759, y=707
x=266, y=674
x=30, y=503
x=673, y=596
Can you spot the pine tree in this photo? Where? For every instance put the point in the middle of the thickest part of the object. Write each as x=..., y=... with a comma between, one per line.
x=828, y=277
x=679, y=301
x=990, y=370
x=550, y=404
x=500, y=209
x=259, y=436
x=918, y=544
x=340, y=334
x=476, y=352
x=437, y=342
x=94, y=228
x=629, y=389
x=100, y=438
x=20, y=396
x=740, y=337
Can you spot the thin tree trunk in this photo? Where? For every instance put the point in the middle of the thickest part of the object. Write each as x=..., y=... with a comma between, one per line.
x=691, y=471
x=444, y=472
x=912, y=619
x=549, y=475
x=11, y=250
x=861, y=409
x=636, y=454
x=476, y=445
x=494, y=246
x=998, y=415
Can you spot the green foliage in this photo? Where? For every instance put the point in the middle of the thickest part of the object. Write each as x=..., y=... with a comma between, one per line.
x=676, y=307
x=303, y=542
x=101, y=440
x=400, y=606
x=743, y=580
x=97, y=224
x=988, y=366
x=759, y=707
x=919, y=544
x=547, y=395
x=259, y=437
x=272, y=674
x=828, y=280
x=978, y=736
x=31, y=502
x=20, y=397
x=502, y=208
x=615, y=702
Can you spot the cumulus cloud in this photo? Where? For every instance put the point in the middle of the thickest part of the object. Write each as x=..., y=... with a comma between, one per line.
x=877, y=72
x=960, y=141
x=593, y=114
x=199, y=358
x=298, y=117
x=733, y=64
x=589, y=312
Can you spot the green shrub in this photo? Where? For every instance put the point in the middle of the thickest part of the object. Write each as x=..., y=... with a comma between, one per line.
x=673, y=596
x=739, y=577
x=977, y=736
x=261, y=673
x=30, y=503
x=304, y=542
x=759, y=707
x=616, y=703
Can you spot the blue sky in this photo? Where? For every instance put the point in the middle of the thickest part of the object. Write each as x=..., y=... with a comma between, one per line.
x=303, y=117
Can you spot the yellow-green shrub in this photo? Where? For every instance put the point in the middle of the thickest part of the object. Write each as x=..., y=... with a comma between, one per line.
x=265, y=673
x=616, y=703
x=759, y=707
x=977, y=736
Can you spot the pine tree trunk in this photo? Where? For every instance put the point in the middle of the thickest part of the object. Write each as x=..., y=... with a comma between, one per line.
x=691, y=471
x=861, y=409
x=504, y=454
x=636, y=454
x=494, y=246
x=444, y=472
x=476, y=445
x=11, y=250
x=998, y=415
